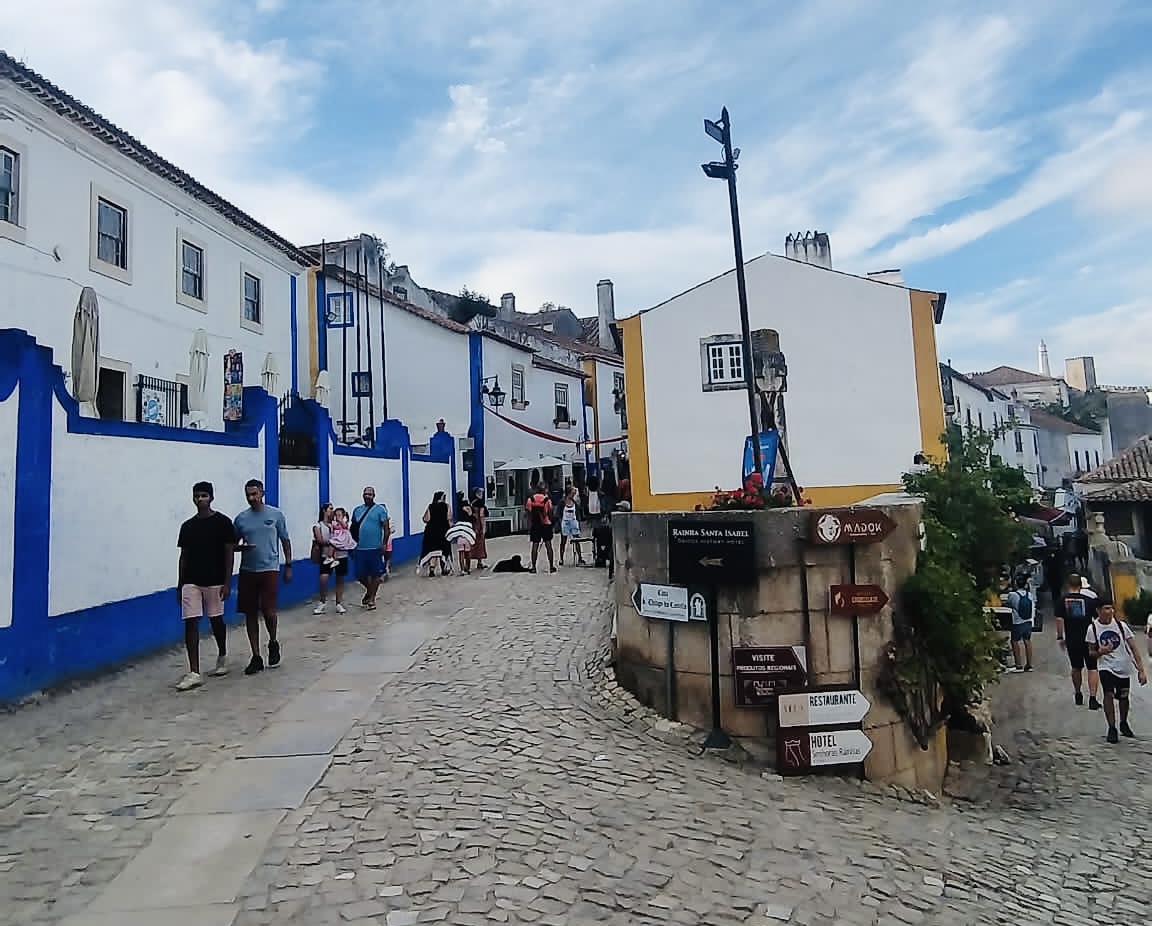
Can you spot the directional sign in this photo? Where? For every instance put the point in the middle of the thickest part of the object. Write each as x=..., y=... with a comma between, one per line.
x=822, y=708
x=664, y=602
x=761, y=673
x=850, y=525
x=856, y=599
x=799, y=751
x=712, y=552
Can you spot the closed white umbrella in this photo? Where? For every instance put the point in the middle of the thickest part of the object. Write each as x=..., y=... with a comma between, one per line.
x=86, y=352
x=322, y=388
x=197, y=378
x=270, y=374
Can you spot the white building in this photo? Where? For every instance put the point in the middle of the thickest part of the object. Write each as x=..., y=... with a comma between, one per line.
x=1031, y=388
x=84, y=204
x=856, y=357
x=1067, y=450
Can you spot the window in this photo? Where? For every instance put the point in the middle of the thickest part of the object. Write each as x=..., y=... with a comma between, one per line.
x=191, y=271
x=618, y=394
x=111, y=233
x=1019, y=442
x=253, y=302
x=562, y=415
x=9, y=186
x=1036, y=443
x=1118, y=521
x=1077, y=454
x=401, y=292
x=980, y=420
x=722, y=361
x=113, y=390
x=517, y=396
x=1097, y=457
x=968, y=419
x=341, y=310
x=361, y=385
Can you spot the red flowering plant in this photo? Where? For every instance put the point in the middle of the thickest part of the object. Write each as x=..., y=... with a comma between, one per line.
x=754, y=496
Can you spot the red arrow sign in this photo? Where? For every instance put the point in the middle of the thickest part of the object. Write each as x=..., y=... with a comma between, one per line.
x=856, y=599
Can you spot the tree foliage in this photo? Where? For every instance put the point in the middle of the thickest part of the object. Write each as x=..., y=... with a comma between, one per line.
x=1087, y=409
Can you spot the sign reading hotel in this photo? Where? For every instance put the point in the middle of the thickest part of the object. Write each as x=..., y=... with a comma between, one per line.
x=801, y=751
x=850, y=525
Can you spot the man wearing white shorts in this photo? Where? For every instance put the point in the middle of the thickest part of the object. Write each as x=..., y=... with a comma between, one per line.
x=207, y=547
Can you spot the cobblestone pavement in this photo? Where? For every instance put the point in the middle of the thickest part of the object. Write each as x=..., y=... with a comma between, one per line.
x=486, y=781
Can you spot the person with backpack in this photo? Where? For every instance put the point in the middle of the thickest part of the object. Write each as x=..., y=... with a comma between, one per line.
x=540, y=530
x=370, y=528
x=1111, y=642
x=1023, y=607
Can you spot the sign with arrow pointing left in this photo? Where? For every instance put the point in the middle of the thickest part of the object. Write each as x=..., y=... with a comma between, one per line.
x=712, y=552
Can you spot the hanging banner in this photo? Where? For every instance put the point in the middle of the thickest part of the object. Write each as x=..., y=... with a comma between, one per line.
x=769, y=442
x=233, y=386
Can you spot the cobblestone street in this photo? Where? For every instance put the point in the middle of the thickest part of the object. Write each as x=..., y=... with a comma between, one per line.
x=448, y=759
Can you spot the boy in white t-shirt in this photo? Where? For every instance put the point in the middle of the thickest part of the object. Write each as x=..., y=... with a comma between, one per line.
x=1110, y=642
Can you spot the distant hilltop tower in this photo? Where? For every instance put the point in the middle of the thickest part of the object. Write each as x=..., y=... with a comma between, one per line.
x=1045, y=369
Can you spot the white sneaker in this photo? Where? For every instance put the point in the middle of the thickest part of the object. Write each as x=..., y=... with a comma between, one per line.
x=190, y=681
x=320, y=608
x=221, y=667
x=340, y=609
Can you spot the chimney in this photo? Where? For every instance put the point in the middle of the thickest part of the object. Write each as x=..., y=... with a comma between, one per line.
x=507, y=307
x=1080, y=372
x=606, y=312
x=1045, y=369
x=895, y=277
x=812, y=248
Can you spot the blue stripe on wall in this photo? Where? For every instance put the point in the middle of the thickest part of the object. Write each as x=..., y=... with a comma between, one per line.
x=295, y=336
x=321, y=310
x=476, y=400
x=405, y=491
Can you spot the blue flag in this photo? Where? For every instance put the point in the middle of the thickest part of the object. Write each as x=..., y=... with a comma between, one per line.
x=769, y=441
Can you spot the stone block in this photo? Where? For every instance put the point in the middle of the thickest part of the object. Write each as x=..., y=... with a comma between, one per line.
x=881, y=762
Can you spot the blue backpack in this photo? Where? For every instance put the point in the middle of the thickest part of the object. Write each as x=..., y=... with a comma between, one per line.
x=1024, y=605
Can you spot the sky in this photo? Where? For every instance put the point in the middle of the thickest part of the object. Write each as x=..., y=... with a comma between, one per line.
x=999, y=152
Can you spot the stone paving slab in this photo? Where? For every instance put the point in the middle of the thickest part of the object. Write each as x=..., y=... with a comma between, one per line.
x=213, y=915
x=191, y=861
x=245, y=785
x=319, y=702
x=297, y=738
x=392, y=651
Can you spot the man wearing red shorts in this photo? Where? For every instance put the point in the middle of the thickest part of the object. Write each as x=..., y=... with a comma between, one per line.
x=207, y=545
x=262, y=532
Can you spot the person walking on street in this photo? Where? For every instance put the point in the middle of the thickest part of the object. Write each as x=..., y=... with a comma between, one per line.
x=262, y=532
x=1111, y=643
x=540, y=530
x=332, y=560
x=371, y=527
x=207, y=543
x=570, y=526
x=1023, y=607
x=1075, y=612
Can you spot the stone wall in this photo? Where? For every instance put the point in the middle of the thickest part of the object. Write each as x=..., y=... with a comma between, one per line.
x=773, y=614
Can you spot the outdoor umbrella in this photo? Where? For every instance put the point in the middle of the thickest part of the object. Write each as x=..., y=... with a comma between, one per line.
x=270, y=374
x=197, y=378
x=322, y=388
x=86, y=352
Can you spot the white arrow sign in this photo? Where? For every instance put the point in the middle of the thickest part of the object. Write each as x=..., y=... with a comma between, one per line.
x=838, y=747
x=822, y=708
x=664, y=602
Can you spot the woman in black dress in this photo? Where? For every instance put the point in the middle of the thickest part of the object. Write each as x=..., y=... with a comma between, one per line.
x=436, y=524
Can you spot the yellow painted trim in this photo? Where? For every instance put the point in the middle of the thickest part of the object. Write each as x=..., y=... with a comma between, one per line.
x=928, y=395
x=821, y=497
x=313, y=335
x=641, y=476
x=590, y=396
x=1123, y=587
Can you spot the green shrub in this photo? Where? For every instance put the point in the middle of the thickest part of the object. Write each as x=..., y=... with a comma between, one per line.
x=1136, y=610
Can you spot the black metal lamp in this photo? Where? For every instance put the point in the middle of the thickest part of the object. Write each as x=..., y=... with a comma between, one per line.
x=490, y=387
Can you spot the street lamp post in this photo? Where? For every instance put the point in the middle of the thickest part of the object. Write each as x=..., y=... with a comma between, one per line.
x=721, y=131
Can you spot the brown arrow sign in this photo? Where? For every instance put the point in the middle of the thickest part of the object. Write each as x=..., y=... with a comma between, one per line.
x=856, y=599
x=838, y=526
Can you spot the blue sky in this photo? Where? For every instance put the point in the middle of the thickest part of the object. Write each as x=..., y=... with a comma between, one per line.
x=1000, y=152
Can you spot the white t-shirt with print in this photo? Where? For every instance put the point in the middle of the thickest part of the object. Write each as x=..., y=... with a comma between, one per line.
x=1115, y=634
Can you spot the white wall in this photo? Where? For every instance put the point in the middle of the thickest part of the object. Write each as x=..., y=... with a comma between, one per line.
x=1091, y=450
x=608, y=417
x=141, y=323
x=350, y=474
x=113, y=537
x=851, y=405
x=8, y=414
x=299, y=500
x=424, y=481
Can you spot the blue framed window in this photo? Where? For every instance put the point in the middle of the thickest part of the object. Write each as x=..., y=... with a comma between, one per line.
x=361, y=385
x=341, y=310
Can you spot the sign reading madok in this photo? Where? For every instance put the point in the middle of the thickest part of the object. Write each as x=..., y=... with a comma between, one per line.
x=799, y=751
x=712, y=552
x=850, y=525
x=822, y=708
x=663, y=602
x=761, y=673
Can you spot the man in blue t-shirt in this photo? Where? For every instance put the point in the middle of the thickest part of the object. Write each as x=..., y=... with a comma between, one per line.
x=262, y=532
x=371, y=528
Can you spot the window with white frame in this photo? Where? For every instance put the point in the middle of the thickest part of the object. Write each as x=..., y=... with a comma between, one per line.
x=722, y=362
x=341, y=310
x=361, y=385
x=517, y=396
x=562, y=415
x=9, y=185
x=253, y=301
x=191, y=270
x=111, y=233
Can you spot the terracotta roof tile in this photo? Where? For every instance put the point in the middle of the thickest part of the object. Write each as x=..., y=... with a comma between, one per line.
x=1007, y=376
x=1139, y=490
x=1049, y=422
x=1134, y=464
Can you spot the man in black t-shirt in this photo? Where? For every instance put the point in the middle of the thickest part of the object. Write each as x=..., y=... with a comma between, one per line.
x=207, y=545
x=1075, y=611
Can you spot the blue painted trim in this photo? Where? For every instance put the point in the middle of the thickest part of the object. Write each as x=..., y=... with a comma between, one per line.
x=270, y=414
x=322, y=321
x=295, y=335
x=476, y=406
x=584, y=407
x=405, y=493
x=351, y=322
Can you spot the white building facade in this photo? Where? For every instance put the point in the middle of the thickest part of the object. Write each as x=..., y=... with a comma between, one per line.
x=83, y=204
